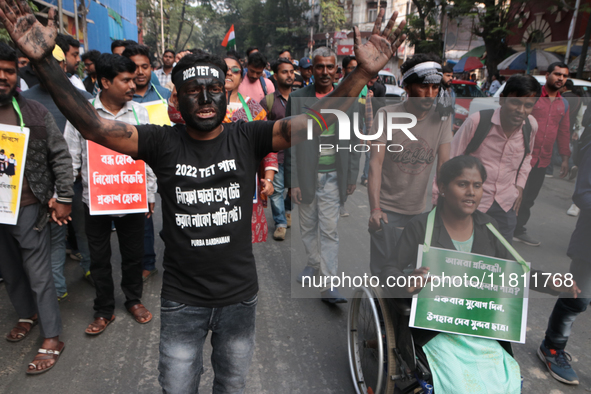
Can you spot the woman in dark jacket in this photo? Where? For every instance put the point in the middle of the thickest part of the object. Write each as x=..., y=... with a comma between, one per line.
x=458, y=225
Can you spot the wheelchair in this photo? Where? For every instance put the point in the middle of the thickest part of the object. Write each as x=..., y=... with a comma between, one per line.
x=382, y=356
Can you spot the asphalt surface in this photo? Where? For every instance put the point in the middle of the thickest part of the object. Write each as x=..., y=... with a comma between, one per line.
x=301, y=342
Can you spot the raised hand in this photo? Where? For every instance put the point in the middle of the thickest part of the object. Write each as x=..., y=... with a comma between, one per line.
x=30, y=36
x=374, y=54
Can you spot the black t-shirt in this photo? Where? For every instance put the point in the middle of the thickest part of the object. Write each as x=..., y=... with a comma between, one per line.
x=207, y=190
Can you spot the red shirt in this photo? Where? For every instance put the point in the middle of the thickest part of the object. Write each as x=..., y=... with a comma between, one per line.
x=553, y=125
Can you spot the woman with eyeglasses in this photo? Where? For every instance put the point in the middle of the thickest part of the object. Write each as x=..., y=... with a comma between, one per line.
x=246, y=109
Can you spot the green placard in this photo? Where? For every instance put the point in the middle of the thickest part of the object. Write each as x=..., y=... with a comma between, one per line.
x=471, y=294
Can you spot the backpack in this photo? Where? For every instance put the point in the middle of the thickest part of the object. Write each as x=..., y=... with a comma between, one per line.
x=270, y=99
x=263, y=84
x=483, y=129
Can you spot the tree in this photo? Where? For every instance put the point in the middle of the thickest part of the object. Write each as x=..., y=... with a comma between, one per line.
x=493, y=22
x=268, y=25
x=423, y=27
x=333, y=15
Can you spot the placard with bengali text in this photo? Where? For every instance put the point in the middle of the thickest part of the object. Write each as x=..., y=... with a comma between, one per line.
x=117, y=184
x=491, y=301
x=13, y=154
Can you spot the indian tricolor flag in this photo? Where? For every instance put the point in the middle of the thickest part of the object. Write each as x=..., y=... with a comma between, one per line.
x=229, y=39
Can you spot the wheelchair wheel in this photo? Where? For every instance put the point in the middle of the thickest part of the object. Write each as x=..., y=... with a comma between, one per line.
x=371, y=343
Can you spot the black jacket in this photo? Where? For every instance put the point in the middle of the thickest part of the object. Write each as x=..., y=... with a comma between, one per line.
x=303, y=159
x=485, y=243
x=48, y=167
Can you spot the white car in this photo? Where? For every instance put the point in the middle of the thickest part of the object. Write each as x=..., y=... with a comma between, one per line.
x=478, y=104
x=392, y=88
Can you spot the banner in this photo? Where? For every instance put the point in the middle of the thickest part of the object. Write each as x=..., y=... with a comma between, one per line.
x=158, y=112
x=13, y=154
x=473, y=295
x=117, y=184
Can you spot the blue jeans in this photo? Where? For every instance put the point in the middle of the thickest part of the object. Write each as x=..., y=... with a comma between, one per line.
x=318, y=225
x=149, y=260
x=78, y=221
x=58, y=256
x=183, y=332
x=567, y=308
x=279, y=205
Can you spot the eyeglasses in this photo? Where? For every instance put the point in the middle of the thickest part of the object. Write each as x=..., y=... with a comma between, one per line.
x=88, y=64
x=235, y=70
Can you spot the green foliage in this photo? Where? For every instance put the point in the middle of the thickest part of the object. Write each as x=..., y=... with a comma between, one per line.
x=423, y=27
x=494, y=22
x=268, y=25
x=333, y=15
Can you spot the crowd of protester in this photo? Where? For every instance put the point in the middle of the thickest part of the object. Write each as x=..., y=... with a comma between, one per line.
x=250, y=108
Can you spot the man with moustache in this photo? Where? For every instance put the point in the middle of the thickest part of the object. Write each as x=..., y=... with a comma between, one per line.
x=398, y=179
x=255, y=85
x=275, y=104
x=447, y=90
x=210, y=278
x=145, y=89
x=117, y=48
x=25, y=247
x=71, y=48
x=115, y=75
x=165, y=73
x=552, y=114
x=321, y=182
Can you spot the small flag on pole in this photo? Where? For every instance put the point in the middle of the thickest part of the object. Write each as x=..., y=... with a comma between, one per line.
x=229, y=39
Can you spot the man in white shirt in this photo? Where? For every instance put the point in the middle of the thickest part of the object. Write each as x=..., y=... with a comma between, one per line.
x=115, y=75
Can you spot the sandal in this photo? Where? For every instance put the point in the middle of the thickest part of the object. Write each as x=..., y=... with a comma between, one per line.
x=22, y=332
x=150, y=274
x=139, y=311
x=45, y=354
x=99, y=322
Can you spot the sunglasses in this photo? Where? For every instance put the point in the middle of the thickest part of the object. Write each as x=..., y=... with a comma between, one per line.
x=235, y=70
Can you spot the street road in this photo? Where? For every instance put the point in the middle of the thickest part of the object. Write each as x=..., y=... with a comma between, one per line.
x=301, y=342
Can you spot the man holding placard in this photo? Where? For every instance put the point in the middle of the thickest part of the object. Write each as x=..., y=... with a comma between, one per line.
x=43, y=165
x=114, y=190
x=205, y=170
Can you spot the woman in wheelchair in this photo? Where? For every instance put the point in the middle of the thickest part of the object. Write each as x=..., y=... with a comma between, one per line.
x=458, y=363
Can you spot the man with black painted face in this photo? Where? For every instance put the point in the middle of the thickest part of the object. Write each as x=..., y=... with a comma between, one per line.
x=205, y=173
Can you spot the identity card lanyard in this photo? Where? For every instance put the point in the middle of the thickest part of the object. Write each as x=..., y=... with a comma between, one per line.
x=18, y=111
x=429, y=235
x=159, y=95
x=133, y=109
x=245, y=107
